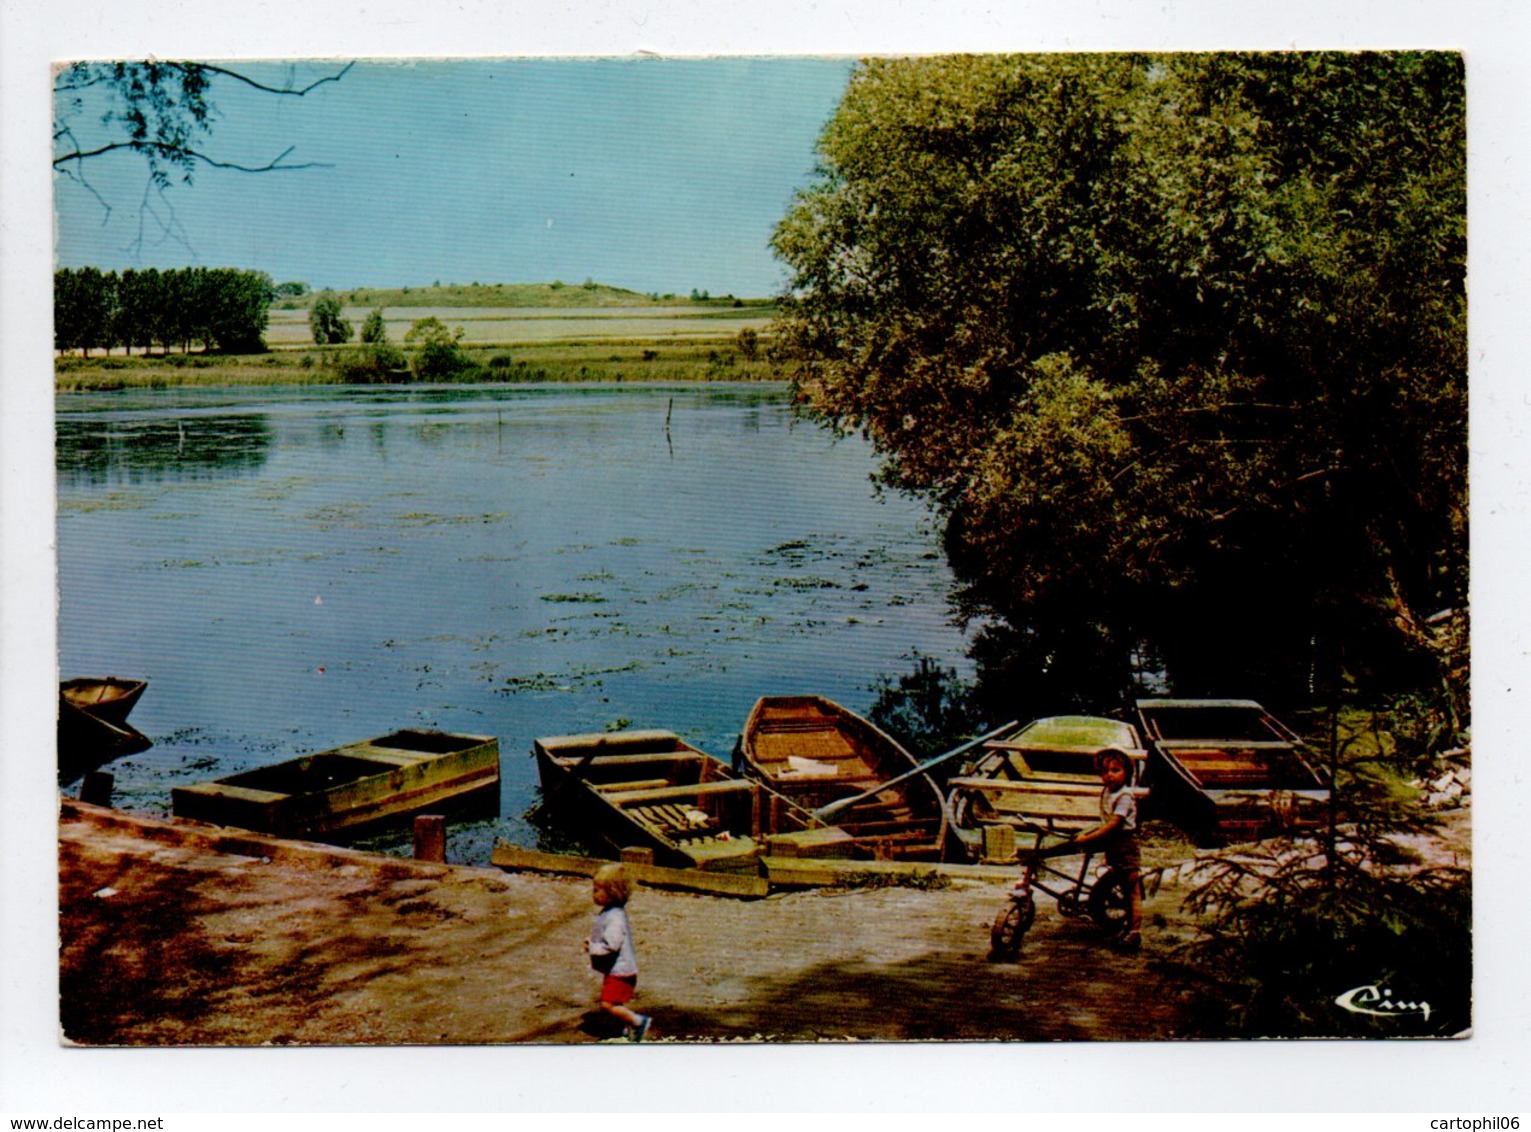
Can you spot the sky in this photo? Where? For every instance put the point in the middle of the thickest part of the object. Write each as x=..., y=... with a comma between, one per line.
x=656, y=175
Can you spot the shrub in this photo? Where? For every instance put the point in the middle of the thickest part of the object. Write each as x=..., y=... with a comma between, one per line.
x=374, y=331
x=324, y=320
x=370, y=365
x=438, y=355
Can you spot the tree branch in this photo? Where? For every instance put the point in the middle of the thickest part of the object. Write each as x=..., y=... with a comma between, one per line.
x=297, y=92
x=273, y=166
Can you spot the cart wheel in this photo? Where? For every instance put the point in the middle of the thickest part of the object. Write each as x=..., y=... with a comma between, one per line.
x=1010, y=927
x=1109, y=906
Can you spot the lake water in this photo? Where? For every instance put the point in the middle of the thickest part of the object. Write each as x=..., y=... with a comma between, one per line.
x=294, y=569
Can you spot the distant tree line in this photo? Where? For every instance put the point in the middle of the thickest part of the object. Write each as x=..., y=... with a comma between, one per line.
x=221, y=309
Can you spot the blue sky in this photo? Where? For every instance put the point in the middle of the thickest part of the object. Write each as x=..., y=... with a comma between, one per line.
x=659, y=175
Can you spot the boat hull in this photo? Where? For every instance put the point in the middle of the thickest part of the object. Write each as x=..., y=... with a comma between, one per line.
x=93, y=725
x=353, y=788
x=814, y=752
x=1229, y=771
x=1040, y=778
x=652, y=790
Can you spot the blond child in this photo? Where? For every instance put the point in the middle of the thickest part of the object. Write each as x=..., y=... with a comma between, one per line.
x=611, y=950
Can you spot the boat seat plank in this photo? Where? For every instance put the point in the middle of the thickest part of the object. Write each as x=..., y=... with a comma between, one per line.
x=635, y=784
x=648, y=758
x=1005, y=786
x=662, y=793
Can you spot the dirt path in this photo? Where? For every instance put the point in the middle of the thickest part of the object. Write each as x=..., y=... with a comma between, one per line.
x=181, y=935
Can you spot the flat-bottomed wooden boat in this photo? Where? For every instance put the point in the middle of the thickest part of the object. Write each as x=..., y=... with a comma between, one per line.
x=650, y=789
x=1229, y=768
x=815, y=752
x=1042, y=776
x=349, y=788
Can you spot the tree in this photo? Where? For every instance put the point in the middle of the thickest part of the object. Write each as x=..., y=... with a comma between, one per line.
x=84, y=306
x=438, y=356
x=374, y=331
x=1174, y=344
x=324, y=320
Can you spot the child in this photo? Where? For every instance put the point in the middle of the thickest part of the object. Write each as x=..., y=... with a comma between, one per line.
x=611, y=950
x=1117, y=835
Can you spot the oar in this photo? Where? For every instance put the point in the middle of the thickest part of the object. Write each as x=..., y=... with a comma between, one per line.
x=824, y=813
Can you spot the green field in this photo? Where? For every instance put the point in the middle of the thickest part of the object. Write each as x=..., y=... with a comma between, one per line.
x=519, y=337
x=615, y=360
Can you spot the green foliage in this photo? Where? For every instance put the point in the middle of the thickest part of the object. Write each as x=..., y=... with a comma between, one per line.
x=1175, y=344
x=748, y=343
x=219, y=308
x=374, y=331
x=372, y=364
x=324, y=319
x=157, y=109
x=437, y=357
x=929, y=709
x=923, y=881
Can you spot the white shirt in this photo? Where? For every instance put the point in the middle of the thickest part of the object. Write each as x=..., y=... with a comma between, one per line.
x=614, y=933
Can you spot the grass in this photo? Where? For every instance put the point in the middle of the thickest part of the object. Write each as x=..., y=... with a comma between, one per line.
x=930, y=881
x=627, y=359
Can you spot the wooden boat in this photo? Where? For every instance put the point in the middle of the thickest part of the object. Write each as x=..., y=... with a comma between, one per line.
x=106, y=697
x=1229, y=768
x=815, y=752
x=349, y=788
x=651, y=789
x=1042, y=776
x=93, y=725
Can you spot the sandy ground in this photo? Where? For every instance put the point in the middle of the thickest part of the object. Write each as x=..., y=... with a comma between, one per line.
x=179, y=934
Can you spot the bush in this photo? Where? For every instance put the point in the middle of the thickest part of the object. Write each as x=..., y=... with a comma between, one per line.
x=438, y=355
x=324, y=320
x=374, y=331
x=929, y=709
x=370, y=365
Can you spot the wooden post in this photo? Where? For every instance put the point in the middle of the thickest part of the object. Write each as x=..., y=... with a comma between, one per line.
x=97, y=788
x=431, y=838
x=635, y=855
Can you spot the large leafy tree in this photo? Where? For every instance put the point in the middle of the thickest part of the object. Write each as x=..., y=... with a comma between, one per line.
x=1175, y=344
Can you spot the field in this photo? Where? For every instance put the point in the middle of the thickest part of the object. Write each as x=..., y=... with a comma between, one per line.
x=641, y=340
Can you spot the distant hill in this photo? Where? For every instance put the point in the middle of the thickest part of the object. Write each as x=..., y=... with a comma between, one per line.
x=553, y=294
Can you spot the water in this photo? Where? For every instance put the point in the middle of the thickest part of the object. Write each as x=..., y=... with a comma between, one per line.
x=293, y=569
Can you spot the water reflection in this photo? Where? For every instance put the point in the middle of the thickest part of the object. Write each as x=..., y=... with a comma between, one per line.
x=93, y=452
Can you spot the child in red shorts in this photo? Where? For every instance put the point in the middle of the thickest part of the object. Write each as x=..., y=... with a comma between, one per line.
x=611, y=950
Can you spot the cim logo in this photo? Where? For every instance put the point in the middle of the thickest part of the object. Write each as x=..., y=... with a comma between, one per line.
x=1379, y=1001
